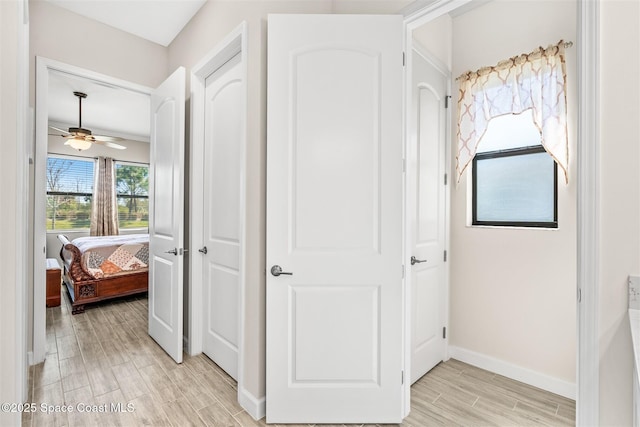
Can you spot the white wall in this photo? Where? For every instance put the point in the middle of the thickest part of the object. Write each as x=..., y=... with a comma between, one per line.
x=513, y=290
x=62, y=35
x=12, y=363
x=436, y=38
x=619, y=201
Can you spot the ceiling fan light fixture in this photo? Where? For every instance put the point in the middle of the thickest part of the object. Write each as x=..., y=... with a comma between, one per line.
x=78, y=143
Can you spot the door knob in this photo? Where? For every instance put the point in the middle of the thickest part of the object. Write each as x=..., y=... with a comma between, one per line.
x=276, y=270
x=415, y=260
x=173, y=251
x=203, y=250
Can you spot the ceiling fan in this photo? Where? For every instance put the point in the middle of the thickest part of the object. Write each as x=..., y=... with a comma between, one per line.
x=81, y=138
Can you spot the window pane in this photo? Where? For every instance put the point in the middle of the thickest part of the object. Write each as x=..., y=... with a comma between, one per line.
x=515, y=188
x=68, y=212
x=133, y=212
x=132, y=189
x=73, y=177
x=510, y=131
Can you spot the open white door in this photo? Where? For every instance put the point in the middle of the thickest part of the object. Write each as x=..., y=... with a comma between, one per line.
x=166, y=214
x=334, y=219
x=426, y=200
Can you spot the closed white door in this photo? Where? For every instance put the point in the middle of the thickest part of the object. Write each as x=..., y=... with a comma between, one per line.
x=334, y=219
x=427, y=221
x=166, y=214
x=222, y=215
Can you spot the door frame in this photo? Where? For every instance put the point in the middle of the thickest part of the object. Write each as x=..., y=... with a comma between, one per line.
x=588, y=175
x=43, y=67
x=233, y=44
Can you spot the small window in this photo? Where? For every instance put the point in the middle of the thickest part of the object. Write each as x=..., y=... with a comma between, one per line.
x=132, y=193
x=515, y=184
x=69, y=193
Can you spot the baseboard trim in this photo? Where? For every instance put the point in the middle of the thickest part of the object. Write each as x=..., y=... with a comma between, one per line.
x=256, y=407
x=515, y=372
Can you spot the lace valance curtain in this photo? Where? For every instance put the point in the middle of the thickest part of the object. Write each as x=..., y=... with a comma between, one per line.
x=535, y=81
x=104, y=208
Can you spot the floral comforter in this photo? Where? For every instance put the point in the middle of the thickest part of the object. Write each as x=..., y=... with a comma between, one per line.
x=105, y=256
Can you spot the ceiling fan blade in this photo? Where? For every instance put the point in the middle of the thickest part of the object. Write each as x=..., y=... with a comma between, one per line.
x=107, y=138
x=109, y=144
x=59, y=130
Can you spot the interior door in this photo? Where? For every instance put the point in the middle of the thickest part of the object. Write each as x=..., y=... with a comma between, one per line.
x=223, y=127
x=427, y=221
x=166, y=214
x=334, y=219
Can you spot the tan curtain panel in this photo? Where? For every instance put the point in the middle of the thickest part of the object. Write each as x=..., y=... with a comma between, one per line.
x=534, y=81
x=104, y=209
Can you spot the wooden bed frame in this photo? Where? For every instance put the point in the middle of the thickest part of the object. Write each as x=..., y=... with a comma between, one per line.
x=85, y=289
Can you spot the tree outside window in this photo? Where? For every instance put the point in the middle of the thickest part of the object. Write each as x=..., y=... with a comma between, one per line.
x=69, y=193
x=132, y=192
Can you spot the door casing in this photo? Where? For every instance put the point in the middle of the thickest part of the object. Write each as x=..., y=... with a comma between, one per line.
x=43, y=67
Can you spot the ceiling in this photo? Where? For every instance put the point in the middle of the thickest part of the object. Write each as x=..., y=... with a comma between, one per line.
x=115, y=111
x=106, y=110
x=159, y=21
x=109, y=110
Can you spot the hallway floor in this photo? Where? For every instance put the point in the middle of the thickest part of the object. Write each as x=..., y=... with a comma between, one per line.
x=104, y=357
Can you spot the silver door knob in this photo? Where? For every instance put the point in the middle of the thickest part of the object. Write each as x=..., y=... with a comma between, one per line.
x=173, y=251
x=276, y=270
x=415, y=260
x=203, y=250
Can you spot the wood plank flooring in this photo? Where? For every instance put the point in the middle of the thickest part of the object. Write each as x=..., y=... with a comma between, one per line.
x=104, y=358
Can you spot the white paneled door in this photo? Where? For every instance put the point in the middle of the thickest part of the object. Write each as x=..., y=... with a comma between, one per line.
x=334, y=219
x=223, y=128
x=166, y=214
x=426, y=215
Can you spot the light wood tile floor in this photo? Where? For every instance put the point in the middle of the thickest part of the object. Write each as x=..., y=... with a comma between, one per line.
x=104, y=357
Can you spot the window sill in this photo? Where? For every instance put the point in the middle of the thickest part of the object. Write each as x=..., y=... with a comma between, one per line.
x=511, y=227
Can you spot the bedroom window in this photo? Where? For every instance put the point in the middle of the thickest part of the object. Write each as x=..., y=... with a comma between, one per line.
x=512, y=131
x=132, y=193
x=69, y=193
x=514, y=180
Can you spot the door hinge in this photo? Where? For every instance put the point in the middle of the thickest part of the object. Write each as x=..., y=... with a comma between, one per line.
x=402, y=377
x=444, y=332
x=403, y=59
x=403, y=271
x=445, y=256
x=579, y=295
x=446, y=178
x=404, y=165
x=446, y=101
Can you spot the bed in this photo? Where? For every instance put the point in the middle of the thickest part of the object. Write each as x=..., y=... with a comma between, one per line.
x=98, y=268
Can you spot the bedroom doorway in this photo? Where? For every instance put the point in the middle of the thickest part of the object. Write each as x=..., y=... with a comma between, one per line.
x=47, y=71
